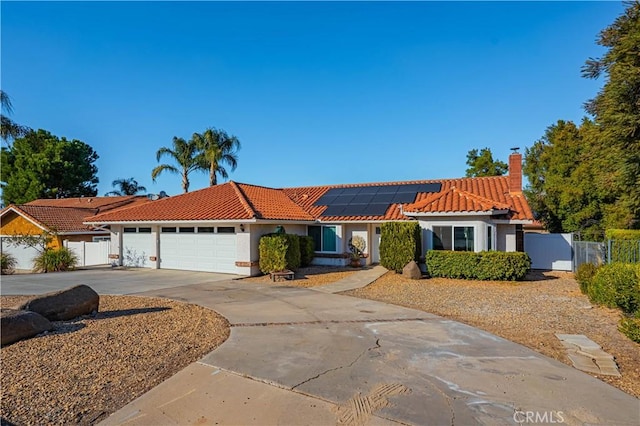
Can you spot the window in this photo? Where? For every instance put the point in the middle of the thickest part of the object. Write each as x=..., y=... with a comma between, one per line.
x=187, y=230
x=324, y=237
x=168, y=229
x=144, y=230
x=129, y=230
x=97, y=239
x=205, y=229
x=226, y=229
x=458, y=238
x=378, y=231
x=442, y=238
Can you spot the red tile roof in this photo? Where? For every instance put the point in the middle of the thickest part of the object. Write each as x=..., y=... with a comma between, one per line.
x=98, y=203
x=454, y=200
x=66, y=215
x=483, y=191
x=238, y=201
x=228, y=201
x=57, y=219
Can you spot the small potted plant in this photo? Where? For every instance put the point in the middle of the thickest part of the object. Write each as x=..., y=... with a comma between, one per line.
x=357, y=245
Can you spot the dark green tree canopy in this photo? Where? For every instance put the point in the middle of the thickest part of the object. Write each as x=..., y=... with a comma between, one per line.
x=41, y=165
x=586, y=178
x=126, y=187
x=482, y=164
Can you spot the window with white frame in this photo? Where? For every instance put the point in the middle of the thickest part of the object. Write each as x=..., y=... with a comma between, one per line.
x=324, y=237
x=457, y=238
x=490, y=238
x=98, y=239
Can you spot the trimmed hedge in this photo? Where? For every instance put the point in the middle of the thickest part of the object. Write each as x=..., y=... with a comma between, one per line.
x=616, y=285
x=278, y=252
x=486, y=265
x=399, y=244
x=584, y=275
x=306, y=250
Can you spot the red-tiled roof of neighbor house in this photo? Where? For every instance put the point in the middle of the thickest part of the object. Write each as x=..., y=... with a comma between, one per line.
x=100, y=204
x=482, y=191
x=228, y=201
x=55, y=219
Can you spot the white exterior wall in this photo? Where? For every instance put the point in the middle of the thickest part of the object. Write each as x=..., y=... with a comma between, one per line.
x=116, y=244
x=506, y=238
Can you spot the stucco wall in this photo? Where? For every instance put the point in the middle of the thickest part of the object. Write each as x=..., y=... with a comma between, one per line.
x=14, y=224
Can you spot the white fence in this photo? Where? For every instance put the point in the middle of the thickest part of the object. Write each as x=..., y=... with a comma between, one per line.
x=96, y=253
x=550, y=251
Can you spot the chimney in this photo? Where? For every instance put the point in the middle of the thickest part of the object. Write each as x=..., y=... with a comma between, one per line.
x=515, y=173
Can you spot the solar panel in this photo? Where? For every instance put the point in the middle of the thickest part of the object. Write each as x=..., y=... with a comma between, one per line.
x=362, y=199
x=371, y=200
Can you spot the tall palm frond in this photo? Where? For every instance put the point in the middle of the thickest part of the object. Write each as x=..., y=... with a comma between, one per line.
x=8, y=128
x=218, y=148
x=186, y=154
x=126, y=187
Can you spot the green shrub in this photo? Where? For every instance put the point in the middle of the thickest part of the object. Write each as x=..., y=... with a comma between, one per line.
x=306, y=250
x=616, y=285
x=584, y=275
x=630, y=327
x=623, y=234
x=54, y=260
x=7, y=264
x=278, y=252
x=399, y=244
x=488, y=265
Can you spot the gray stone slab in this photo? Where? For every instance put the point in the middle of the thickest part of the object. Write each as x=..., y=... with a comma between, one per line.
x=587, y=355
x=358, y=280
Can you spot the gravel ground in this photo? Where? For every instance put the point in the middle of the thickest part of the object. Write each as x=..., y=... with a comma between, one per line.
x=311, y=276
x=528, y=312
x=90, y=367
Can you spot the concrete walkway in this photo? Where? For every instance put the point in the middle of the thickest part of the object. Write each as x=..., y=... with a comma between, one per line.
x=358, y=280
x=298, y=356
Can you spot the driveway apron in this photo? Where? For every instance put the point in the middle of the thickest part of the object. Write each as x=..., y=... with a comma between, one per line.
x=322, y=358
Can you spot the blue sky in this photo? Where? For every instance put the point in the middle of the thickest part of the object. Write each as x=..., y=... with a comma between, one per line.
x=317, y=92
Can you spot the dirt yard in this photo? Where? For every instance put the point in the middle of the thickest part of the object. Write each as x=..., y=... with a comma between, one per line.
x=528, y=312
x=88, y=368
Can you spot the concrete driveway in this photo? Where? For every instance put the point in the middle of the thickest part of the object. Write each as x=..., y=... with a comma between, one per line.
x=106, y=280
x=299, y=356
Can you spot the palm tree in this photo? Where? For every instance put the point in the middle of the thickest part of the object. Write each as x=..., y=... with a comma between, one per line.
x=126, y=187
x=186, y=154
x=217, y=148
x=8, y=128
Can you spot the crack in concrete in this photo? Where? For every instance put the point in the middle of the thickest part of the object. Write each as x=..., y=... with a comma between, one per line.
x=377, y=346
x=361, y=321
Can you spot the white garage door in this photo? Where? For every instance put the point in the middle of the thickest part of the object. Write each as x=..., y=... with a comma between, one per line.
x=137, y=245
x=199, y=249
x=24, y=255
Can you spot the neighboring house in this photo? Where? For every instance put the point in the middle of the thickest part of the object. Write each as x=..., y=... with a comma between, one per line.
x=62, y=219
x=218, y=228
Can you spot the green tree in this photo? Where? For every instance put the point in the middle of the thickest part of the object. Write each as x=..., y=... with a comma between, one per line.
x=8, y=128
x=217, y=148
x=562, y=183
x=616, y=112
x=482, y=164
x=41, y=165
x=186, y=154
x=126, y=187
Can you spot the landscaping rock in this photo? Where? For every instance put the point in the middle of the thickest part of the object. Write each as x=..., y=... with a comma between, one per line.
x=65, y=304
x=18, y=325
x=412, y=271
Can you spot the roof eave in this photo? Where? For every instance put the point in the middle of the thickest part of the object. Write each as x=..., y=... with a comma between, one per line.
x=492, y=212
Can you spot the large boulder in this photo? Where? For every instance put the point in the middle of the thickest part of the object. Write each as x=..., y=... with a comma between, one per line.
x=412, y=271
x=65, y=304
x=18, y=325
